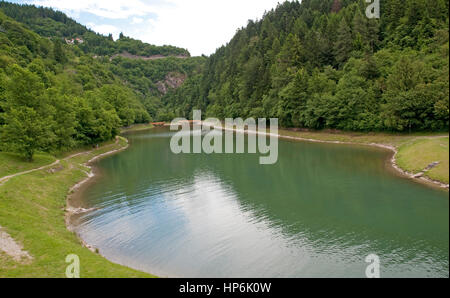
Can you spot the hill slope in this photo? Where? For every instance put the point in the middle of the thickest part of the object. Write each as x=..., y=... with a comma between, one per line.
x=323, y=64
x=50, y=23
x=55, y=96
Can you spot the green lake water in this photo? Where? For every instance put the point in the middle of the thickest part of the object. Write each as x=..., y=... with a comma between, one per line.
x=318, y=212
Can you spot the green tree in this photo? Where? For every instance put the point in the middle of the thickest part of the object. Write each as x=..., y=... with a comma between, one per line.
x=64, y=118
x=26, y=131
x=58, y=51
x=28, y=118
x=344, y=43
x=294, y=99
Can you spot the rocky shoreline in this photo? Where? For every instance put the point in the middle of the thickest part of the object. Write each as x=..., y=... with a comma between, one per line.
x=73, y=210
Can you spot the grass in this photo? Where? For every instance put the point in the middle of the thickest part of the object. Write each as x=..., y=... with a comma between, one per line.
x=416, y=155
x=32, y=211
x=11, y=163
x=32, y=205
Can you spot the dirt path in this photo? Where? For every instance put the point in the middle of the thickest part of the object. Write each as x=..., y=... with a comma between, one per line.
x=13, y=249
x=90, y=174
x=72, y=210
x=6, y=178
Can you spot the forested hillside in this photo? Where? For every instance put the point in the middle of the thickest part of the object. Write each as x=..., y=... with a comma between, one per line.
x=315, y=64
x=50, y=23
x=56, y=96
x=323, y=64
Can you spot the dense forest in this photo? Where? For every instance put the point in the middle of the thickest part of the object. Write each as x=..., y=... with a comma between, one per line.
x=317, y=64
x=50, y=23
x=56, y=96
x=323, y=64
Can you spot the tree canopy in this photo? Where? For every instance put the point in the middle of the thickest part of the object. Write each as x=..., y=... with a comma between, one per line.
x=315, y=64
x=323, y=64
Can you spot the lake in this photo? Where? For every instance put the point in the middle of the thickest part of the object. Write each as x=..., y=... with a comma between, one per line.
x=318, y=212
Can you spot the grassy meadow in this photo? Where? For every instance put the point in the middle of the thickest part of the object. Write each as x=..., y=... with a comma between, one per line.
x=32, y=211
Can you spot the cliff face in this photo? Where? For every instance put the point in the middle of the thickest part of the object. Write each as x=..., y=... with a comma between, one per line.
x=173, y=80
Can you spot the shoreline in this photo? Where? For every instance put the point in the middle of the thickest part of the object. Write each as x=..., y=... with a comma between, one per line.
x=418, y=178
x=393, y=161
x=38, y=225
x=72, y=210
x=91, y=169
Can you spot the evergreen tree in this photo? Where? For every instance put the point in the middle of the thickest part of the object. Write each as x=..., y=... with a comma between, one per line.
x=58, y=52
x=344, y=44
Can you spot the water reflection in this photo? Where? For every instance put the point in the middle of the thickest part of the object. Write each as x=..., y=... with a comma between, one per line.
x=318, y=212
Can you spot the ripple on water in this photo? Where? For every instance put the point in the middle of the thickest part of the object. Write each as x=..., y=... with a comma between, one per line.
x=317, y=213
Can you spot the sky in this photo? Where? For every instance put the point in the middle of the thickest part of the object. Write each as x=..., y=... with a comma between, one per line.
x=201, y=26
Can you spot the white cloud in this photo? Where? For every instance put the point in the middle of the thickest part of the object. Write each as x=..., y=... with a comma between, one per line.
x=136, y=21
x=112, y=9
x=201, y=26
x=105, y=29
